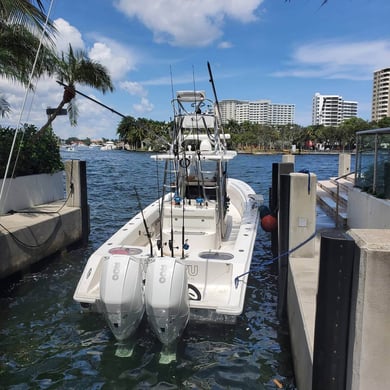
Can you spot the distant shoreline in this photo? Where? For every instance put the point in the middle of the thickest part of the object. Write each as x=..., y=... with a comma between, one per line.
x=303, y=152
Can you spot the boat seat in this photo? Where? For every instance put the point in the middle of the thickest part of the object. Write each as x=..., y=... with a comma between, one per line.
x=195, y=189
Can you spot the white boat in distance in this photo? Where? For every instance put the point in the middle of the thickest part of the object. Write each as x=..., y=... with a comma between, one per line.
x=185, y=256
x=109, y=145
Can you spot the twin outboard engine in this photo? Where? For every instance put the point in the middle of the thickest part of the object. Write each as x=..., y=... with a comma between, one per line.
x=121, y=294
x=166, y=298
x=124, y=297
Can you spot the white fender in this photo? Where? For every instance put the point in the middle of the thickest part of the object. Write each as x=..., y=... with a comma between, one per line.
x=166, y=298
x=121, y=294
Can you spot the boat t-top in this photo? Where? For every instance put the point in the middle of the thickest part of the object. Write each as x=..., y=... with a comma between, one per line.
x=178, y=259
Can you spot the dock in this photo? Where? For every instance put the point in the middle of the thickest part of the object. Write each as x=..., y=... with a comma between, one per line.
x=33, y=233
x=334, y=291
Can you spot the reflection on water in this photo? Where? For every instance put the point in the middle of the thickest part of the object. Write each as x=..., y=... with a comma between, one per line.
x=46, y=342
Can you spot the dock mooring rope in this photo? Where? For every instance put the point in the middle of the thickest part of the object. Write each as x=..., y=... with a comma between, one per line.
x=237, y=278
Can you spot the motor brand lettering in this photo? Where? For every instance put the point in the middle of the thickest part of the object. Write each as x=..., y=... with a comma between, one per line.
x=117, y=269
x=163, y=274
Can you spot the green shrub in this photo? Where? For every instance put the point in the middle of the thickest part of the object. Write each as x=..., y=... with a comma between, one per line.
x=37, y=152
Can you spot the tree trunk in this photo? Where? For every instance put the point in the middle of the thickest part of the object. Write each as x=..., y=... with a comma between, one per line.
x=52, y=117
x=69, y=94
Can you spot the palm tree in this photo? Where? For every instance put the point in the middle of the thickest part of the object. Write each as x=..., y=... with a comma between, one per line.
x=18, y=48
x=75, y=67
x=125, y=128
x=25, y=13
x=20, y=23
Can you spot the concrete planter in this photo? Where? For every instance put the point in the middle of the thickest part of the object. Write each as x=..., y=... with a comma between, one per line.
x=28, y=191
x=365, y=211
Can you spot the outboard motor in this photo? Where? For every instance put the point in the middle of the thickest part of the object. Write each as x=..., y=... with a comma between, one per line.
x=121, y=294
x=166, y=298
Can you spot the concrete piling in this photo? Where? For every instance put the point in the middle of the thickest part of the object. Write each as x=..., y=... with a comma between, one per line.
x=333, y=311
x=296, y=223
x=76, y=188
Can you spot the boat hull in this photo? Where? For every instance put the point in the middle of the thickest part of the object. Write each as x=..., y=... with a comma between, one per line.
x=214, y=293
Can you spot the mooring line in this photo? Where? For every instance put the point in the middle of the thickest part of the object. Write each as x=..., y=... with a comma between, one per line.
x=237, y=278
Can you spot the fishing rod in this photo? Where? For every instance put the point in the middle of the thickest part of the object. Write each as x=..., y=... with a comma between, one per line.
x=216, y=100
x=212, y=83
x=144, y=220
x=170, y=242
x=218, y=141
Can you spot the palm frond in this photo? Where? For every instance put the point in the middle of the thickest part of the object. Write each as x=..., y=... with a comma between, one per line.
x=17, y=53
x=5, y=108
x=73, y=112
x=74, y=67
x=25, y=13
x=95, y=75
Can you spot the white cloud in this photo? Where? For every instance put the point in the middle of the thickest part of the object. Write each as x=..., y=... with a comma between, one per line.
x=225, y=45
x=188, y=23
x=67, y=34
x=143, y=107
x=134, y=88
x=338, y=60
x=137, y=89
x=117, y=58
x=33, y=104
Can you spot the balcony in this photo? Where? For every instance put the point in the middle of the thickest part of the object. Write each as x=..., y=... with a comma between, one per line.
x=373, y=162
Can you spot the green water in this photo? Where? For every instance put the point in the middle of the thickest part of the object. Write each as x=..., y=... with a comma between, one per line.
x=46, y=342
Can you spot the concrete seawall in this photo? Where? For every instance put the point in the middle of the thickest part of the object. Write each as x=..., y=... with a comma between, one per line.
x=334, y=293
x=367, y=358
x=31, y=234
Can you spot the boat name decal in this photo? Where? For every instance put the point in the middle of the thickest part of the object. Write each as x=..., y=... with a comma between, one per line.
x=192, y=270
x=117, y=268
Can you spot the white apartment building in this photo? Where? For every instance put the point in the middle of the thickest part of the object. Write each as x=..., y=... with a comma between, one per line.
x=331, y=110
x=282, y=114
x=381, y=94
x=261, y=111
x=228, y=110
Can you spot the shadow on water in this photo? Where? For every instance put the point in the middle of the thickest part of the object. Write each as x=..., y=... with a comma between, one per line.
x=46, y=341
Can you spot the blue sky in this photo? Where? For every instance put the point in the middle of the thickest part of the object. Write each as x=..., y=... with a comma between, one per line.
x=258, y=49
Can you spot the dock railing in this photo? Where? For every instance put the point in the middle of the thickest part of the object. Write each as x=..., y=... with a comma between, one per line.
x=336, y=180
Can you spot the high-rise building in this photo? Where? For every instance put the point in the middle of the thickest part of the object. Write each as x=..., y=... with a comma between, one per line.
x=381, y=94
x=331, y=110
x=228, y=110
x=261, y=111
